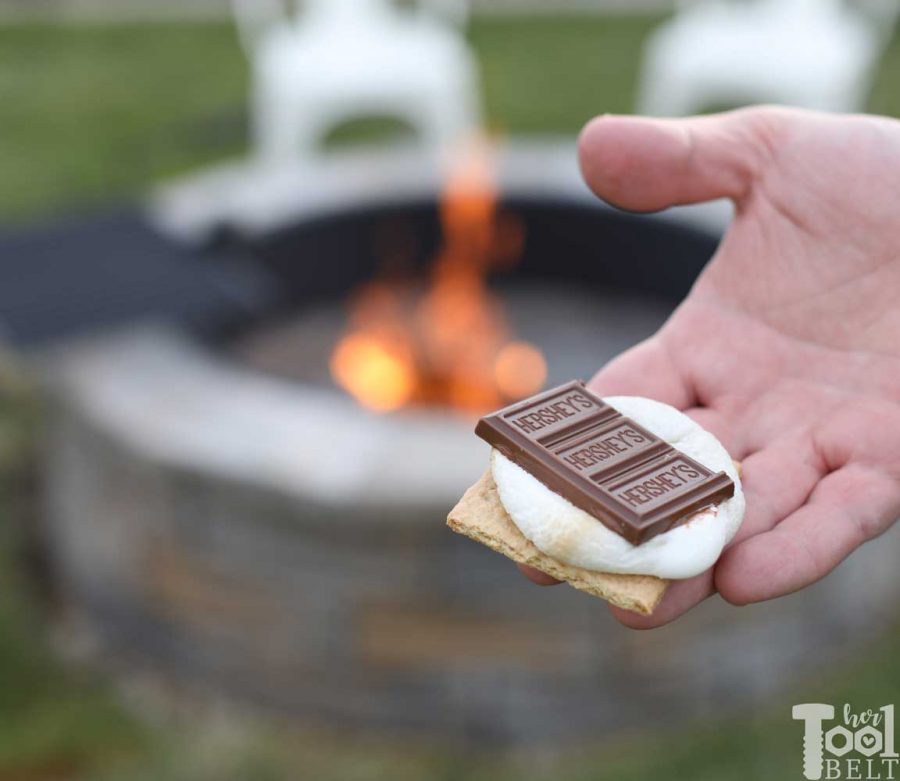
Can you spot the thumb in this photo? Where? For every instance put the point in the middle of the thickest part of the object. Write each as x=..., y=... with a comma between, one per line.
x=647, y=164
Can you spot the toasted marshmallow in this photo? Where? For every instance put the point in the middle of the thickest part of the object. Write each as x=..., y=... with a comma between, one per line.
x=572, y=536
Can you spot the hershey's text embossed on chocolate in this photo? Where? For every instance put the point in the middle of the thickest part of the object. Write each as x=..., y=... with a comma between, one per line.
x=603, y=462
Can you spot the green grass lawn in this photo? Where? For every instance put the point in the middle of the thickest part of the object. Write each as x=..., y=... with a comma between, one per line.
x=91, y=114
x=94, y=113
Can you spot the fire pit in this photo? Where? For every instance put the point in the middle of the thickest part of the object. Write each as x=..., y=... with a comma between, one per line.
x=220, y=510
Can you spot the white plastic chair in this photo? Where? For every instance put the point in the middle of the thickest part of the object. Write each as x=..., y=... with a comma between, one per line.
x=321, y=63
x=717, y=54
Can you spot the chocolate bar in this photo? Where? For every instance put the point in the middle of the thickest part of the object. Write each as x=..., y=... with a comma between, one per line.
x=603, y=462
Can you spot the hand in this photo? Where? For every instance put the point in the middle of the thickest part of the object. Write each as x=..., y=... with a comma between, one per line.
x=788, y=346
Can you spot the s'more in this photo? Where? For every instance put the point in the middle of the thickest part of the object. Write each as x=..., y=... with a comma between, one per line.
x=618, y=496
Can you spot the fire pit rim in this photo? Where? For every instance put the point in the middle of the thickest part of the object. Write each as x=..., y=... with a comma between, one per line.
x=250, y=198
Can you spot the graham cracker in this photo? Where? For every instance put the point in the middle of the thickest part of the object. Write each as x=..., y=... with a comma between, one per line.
x=481, y=516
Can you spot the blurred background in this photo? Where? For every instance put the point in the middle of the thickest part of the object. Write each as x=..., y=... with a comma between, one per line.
x=262, y=264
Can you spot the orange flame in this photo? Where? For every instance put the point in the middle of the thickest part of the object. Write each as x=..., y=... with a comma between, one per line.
x=450, y=345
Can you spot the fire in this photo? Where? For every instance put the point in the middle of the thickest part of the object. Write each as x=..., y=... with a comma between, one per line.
x=373, y=371
x=516, y=367
x=449, y=344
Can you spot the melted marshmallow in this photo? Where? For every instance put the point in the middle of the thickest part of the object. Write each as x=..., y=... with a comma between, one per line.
x=572, y=536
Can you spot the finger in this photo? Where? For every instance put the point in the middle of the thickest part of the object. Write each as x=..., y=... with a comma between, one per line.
x=647, y=164
x=847, y=508
x=776, y=482
x=647, y=369
x=681, y=596
x=536, y=576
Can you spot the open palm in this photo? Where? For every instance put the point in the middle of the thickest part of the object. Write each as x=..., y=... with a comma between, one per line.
x=788, y=346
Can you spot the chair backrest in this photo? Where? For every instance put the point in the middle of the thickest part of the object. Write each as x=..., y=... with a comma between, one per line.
x=256, y=18
x=879, y=16
x=809, y=7
x=349, y=9
x=455, y=11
